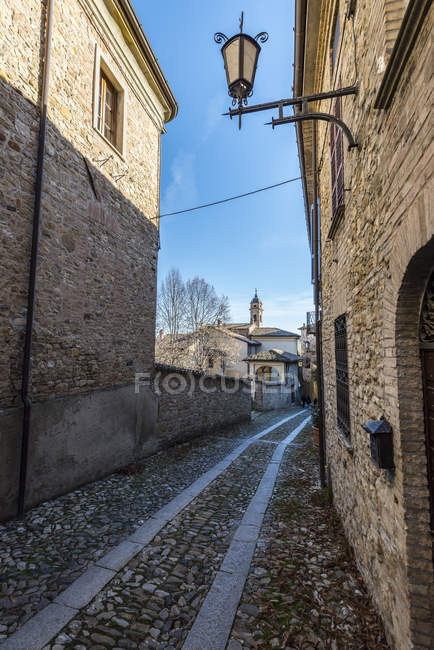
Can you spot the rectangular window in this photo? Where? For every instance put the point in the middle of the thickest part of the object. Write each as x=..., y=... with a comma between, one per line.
x=107, y=109
x=337, y=163
x=109, y=103
x=342, y=387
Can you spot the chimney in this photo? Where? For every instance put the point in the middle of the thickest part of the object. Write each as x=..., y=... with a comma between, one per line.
x=161, y=334
x=219, y=323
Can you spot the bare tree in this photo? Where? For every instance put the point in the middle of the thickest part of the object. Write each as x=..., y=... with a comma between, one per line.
x=212, y=346
x=171, y=319
x=188, y=314
x=204, y=307
x=171, y=304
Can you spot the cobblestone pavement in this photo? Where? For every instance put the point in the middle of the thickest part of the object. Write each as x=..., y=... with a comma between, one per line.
x=277, y=435
x=304, y=590
x=41, y=555
x=154, y=600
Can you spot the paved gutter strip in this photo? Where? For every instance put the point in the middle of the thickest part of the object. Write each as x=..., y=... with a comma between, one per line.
x=43, y=626
x=214, y=621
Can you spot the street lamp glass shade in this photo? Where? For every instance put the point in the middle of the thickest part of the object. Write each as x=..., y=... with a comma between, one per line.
x=231, y=56
x=240, y=55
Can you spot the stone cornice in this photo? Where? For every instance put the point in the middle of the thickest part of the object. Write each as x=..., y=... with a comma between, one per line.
x=147, y=96
x=147, y=52
x=410, y=28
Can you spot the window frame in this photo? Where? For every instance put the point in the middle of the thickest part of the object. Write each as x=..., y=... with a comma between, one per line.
x=102, y=71
x=343, y=413
x=337, y=163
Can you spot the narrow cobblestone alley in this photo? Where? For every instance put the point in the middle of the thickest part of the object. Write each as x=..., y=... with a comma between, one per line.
x=157, y=556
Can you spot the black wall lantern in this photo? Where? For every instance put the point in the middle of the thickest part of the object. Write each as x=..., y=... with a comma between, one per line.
x=240, y=55
x=381, y=436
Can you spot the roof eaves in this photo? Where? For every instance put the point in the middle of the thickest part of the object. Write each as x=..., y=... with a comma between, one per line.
x=147, y=51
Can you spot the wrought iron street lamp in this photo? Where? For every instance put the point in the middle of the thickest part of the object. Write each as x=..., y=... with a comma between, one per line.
x=240, y=55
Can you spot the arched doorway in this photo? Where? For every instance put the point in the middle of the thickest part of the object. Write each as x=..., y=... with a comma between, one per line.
x=413, y=328
x=426, y=334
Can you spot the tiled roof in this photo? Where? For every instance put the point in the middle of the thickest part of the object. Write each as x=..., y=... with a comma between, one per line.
x=272, y=331
x=274, y=355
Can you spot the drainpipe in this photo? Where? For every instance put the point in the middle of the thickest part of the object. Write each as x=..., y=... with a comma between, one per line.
x=25, y=386
x=318, y=324
x=299, y=40
x=299, y=49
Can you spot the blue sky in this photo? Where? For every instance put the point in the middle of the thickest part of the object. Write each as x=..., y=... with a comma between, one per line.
x=258, y=241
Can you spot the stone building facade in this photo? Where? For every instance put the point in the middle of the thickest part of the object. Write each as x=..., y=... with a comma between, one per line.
x=272, y=360
x=108, y=101
x=307, y=351
x=377, y=258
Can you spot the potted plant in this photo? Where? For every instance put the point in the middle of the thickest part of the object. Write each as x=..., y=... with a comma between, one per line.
x=315, y=425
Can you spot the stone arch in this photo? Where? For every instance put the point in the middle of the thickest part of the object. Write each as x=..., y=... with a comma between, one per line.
x=267, y=373
x=412, y=460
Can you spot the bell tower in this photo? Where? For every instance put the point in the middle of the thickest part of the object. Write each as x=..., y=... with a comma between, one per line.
x=256, y=311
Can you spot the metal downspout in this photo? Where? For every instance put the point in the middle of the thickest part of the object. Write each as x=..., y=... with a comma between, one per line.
x=299, y=39
x=25, y=387
x=318, y=323
x=314, y=237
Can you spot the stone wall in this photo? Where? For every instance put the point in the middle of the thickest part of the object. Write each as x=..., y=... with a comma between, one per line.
x=192, y=403
x=81, y=438
x=96, y=285
x=388, y=223
x=95, y=304
x=272, y=395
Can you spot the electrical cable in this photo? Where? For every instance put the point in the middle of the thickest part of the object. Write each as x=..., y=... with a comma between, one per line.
x=231, y=198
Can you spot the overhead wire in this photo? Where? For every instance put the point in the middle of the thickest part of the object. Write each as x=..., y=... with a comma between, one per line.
x=230, y=198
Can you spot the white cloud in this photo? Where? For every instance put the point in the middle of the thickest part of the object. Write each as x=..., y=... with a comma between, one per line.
x=213, y=115
x=182, y=190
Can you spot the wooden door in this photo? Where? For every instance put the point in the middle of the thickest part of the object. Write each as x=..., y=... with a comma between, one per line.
x=428, y=393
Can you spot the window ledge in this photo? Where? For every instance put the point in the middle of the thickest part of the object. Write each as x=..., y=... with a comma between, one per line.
x=112, y=146
x=344, y=441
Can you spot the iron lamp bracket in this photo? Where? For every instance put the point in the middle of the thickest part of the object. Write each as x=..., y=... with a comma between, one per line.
x=304, y=114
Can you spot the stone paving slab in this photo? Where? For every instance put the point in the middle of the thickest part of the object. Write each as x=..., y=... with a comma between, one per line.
x=280, y=433
x=211, y=629
x=86, y=587
x=238, y=558
x=120, y=555
x=41, y=629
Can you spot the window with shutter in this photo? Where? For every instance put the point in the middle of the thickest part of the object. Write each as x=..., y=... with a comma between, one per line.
x=337, y=162
x=107, y=109
x=342, y=384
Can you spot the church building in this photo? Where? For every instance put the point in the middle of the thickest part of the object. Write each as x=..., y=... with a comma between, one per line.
x=272, y=360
